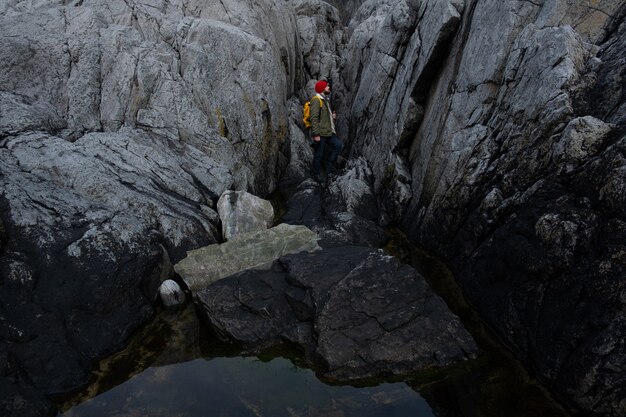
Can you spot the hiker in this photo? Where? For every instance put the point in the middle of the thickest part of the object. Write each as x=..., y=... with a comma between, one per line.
x=323, y=130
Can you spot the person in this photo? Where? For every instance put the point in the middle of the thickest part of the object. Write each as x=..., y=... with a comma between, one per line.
x=323, y=131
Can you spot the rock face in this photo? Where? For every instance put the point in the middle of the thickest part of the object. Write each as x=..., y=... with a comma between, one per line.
x=389, y=61
x=321, y=37
x=495, y=133
x=183, y=70
x=492, y=131
x=366, y=316
x=206, y=265
x=121, y=123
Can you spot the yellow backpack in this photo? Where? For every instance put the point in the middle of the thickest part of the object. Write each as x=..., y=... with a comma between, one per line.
x=306, y=111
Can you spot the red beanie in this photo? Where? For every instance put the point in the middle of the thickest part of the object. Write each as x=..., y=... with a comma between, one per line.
x=320, y=86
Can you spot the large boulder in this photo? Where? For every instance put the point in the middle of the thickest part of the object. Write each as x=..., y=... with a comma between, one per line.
x=82, y=259
x=206, y=265
x=366, y=316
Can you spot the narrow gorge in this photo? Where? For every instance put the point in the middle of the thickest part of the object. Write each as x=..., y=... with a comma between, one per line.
x=491, y=133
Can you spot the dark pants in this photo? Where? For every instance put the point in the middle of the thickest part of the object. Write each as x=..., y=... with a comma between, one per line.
x=335, y=146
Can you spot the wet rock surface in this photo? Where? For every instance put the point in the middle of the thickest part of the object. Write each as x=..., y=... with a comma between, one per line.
x=356, y=312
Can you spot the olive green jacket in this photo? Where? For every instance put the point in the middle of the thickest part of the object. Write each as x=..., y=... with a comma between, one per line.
x=321, y=124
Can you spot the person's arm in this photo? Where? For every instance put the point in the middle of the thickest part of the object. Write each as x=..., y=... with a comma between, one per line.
x=316, y=107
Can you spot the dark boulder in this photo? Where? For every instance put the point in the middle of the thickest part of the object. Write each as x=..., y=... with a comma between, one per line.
x=17, y=396
x=356, y=312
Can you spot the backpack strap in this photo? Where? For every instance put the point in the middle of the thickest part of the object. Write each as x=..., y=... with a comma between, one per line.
x=321, y=102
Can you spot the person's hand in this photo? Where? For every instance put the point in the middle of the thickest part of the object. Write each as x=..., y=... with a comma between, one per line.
x=316, y=138
x=334, y=115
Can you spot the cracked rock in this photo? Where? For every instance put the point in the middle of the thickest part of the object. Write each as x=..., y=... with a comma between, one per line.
x=366, y=316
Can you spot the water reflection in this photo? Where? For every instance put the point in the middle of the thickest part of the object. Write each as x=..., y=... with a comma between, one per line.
x=173, y=368
x=243, y=386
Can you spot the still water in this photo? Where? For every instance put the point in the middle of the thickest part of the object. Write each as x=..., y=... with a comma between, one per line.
x=173, y=367
x=233, y=387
